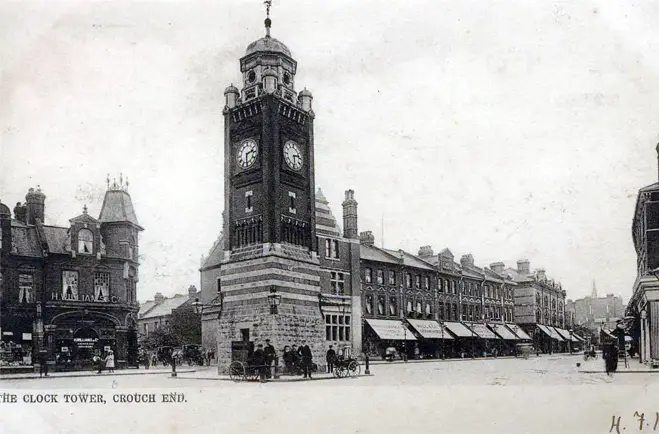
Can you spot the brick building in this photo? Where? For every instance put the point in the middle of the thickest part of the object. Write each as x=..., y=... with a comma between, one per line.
x=69, y=290
x=157, y=313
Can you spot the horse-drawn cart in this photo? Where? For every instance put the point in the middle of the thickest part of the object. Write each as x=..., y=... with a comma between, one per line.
x=243, y=371
x=345, y=365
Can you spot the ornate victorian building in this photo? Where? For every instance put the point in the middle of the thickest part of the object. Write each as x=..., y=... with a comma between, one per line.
x=69, y=290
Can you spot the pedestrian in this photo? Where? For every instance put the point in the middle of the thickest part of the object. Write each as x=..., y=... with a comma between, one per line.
x=610, y=356
x=98, y=362
x=307, y=359
x=147, y=360
x=330, y=357
x=289, y=359
x=259, y=362
x=43, y=363
x=109, y=361
x=270, y=355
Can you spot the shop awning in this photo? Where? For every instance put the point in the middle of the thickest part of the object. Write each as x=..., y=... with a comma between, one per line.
x=504, y=332
x=482, y=331
x=392, y=330
x=579, y=338
x=565, y=334
x=521, y=334
x=459, y=329
x=429, y=329
x=550, y=332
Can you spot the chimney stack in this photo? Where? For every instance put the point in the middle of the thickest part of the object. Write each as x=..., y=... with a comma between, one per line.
x=524, y=267
x=192, y=292
x=497, y=267
x=467, y=260
x=5, y=230
x=540, y=272
x=35, y=203
x=366, y=238
x=350, y=229
x=426, y=252
x=20, y=212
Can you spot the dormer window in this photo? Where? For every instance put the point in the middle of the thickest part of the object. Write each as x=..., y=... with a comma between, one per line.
x=85, y=241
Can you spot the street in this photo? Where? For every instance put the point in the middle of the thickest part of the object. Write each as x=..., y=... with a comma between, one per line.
x=541, y=394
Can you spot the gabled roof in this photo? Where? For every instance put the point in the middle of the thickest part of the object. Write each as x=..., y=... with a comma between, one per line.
x=325, y=222
x=146, y=307
x=410, y=260
x=167, y=306
x=372, y=253
x=118, y=208
x=84, y=218
x=216, y=254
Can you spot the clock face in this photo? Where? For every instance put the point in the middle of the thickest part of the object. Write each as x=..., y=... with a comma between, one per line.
x=292, y=155
x=247, y=153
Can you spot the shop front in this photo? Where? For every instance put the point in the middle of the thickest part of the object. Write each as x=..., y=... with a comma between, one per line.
x=381, y=334
x=487, y=343
x=508, y=343
x=433, y=340
x=74, y=338
x=16, y=345
x=464, y=345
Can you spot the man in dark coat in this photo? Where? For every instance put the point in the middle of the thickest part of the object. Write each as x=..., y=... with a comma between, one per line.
x=307, y=359
x=330, y=357
x=610, y=355
x=270, y=354
x=43, y=363
x=259, y=361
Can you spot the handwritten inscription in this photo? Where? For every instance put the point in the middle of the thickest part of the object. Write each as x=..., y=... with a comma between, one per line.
x=91, y=398
x=638, y=422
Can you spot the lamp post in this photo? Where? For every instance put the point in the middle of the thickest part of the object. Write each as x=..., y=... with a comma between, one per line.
x=441, y=324
x=199, y=310
x=641, y=355
x=274, y=300
x=571, y=333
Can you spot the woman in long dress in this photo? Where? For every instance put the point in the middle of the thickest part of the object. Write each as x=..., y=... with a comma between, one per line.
x=109, y=361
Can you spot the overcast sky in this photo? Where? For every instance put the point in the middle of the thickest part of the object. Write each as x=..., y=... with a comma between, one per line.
x=508, y=130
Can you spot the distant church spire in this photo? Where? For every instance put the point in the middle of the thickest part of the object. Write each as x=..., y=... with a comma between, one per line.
x=268, y=21
x=594, y=294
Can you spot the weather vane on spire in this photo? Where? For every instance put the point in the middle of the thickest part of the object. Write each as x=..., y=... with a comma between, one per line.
x=268, y=21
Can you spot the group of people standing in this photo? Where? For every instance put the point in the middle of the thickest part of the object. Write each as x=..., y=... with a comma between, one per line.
x=107, y=362
x=294, y=358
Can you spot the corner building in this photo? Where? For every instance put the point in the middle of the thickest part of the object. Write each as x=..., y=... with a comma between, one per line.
x=69, y=290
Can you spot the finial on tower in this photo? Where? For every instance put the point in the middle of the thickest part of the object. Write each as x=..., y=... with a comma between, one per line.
x=268, y=21
x=107, y=180
x=84, y=209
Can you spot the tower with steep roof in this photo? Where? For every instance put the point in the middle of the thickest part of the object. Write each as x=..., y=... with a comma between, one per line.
x=269, y=225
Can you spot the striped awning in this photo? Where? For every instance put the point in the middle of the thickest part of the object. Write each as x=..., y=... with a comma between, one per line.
x=459, y=329
x=482, y=331
x=519, y=332
x=393, y=330
x=504, y=332
x=429, y=329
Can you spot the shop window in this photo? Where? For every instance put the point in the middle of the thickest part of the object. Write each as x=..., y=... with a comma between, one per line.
x=337, y=282
x=85, y=241
x=392, y=278
x=25, y=288
x=102, y=287
x=380, y=275
x=70, y=285
x=368, y=275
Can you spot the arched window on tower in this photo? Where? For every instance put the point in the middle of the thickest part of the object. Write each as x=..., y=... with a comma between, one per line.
x=85, y=241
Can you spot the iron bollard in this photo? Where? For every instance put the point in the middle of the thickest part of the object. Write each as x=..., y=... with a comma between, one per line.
x=367, y=360
x=173, y=367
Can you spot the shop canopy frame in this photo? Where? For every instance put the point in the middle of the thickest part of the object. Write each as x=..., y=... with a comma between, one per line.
x=429, y=329
x=521, y=334
x=549, y=332
x=390, y=330
x=504, y=332
x=482, y=331
x=459, y=330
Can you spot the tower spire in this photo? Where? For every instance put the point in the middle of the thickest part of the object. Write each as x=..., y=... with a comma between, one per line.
x=594, y=294
x=268, y=21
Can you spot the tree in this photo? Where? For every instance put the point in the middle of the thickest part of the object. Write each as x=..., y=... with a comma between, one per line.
x=185, y=325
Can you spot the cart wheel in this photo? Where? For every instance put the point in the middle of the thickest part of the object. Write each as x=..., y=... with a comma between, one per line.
x=236, y=371
x=354, y=369
x=337, y=372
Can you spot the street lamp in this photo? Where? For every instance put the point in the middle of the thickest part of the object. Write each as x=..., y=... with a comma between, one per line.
x=441, y=324
x=571, y=333
x=274, y=300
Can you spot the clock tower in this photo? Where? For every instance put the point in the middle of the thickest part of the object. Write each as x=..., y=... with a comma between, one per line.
x=270, y=277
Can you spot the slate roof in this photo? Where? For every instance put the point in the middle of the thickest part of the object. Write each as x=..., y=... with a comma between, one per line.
x=166, y=307
x=145, y=307
x=325, y=222
x=372, y=253
x=118, y=207
x=215, y=255
x=410, y=260
x=58, y=239
x=24, y=239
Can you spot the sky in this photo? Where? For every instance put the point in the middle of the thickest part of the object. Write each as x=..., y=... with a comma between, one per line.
x=508, y=130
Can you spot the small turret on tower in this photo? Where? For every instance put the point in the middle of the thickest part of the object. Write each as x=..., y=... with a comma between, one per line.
x=350, y=228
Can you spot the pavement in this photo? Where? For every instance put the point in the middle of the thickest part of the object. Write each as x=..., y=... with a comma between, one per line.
x=78, y=374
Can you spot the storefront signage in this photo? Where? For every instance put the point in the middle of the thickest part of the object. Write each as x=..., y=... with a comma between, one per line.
x=85, y=342
x=27, y=336
x=65, y=349
x=56, y=296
